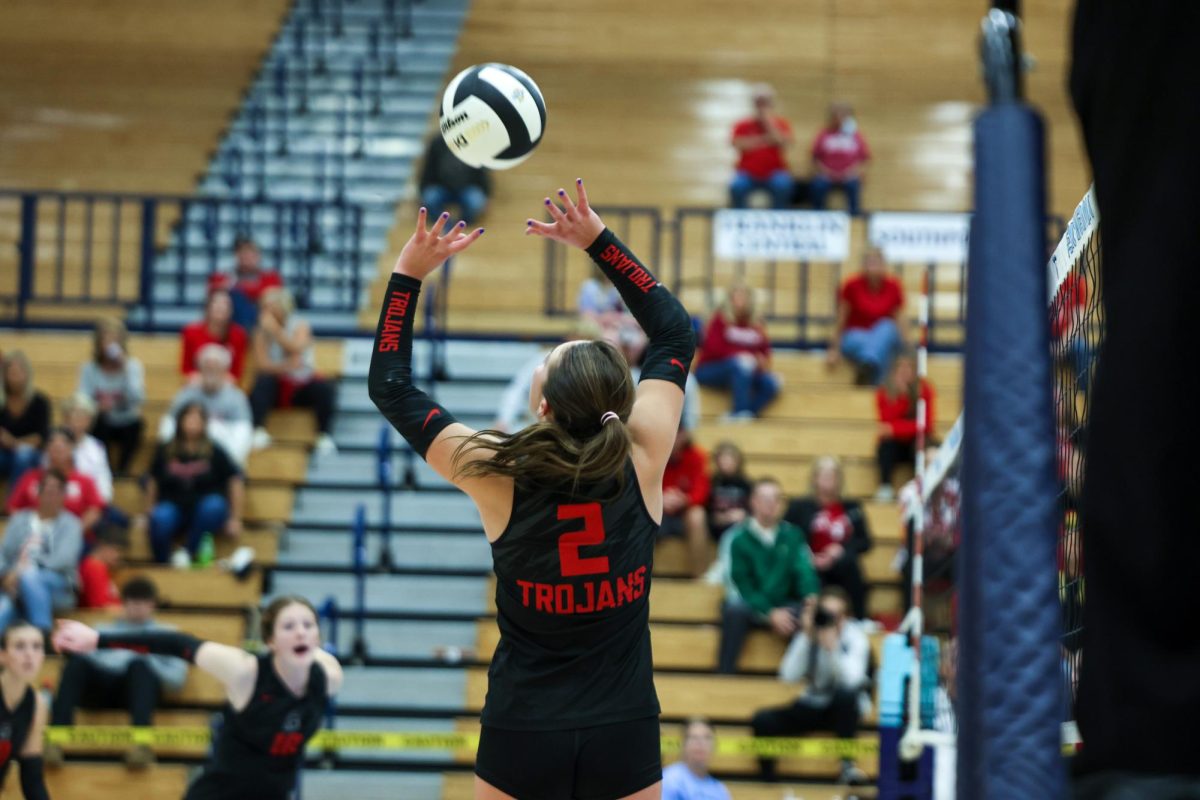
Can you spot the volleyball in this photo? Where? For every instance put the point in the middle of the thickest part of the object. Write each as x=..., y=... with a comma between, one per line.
x=492, y=115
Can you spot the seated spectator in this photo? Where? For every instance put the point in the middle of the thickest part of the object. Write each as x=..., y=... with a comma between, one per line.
x=116, y=382
x=247, y=283
x=831, y=654
x=685, y=497
x=868, y=323
x=193, y=486
x=115, y=678
x=897, y=401
x=230, y=422
x=39, y=556
x=448, y=181
x=599, y=300
x=24, y=418
x=82, y=498
x=771, y=574
x=836, y=530
x=729, y=499
x=762, y=163
x=217, y=327
x=286, y=366
x=91, y=457
x=839, y=158
x=96, y=586
x=689, y=779
x=736, y=355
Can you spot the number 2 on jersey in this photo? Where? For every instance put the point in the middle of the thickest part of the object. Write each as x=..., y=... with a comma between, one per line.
x=572, y=564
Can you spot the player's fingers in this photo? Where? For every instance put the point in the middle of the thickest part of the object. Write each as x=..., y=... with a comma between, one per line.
x=454, y=232
x=555, y=212
x=581, y=193
x=422, y=224
x=568, y=204
x=465, y=240
x=536, y=228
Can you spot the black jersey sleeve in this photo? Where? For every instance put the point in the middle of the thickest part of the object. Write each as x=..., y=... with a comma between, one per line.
x=664, y=319
x=389, y=381
x=159, y=642
x=33, y=778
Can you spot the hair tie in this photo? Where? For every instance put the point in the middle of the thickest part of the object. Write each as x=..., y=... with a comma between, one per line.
x=608, y=416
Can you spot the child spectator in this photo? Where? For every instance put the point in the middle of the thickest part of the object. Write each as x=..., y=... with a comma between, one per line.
x=24, y=418
x=897, y=401
x=762, y=163
x=247, y=284
x=839, y=155
x=116, y=382
x=81, y=497
x=729, y=499
x=736, y=355
x=96, y=586
x=287, y=375
x=771, y=574
x=868, y=322
x=685, y=496
x=689, y=778
x=217, y=327
x=836, y=530
x=230, y=421
x=91, y=458
x=39, y=556
x=194, y=486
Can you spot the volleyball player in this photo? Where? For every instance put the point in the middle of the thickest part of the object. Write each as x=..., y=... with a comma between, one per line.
x=571, y=505
x=276, y=700
x=23, y=711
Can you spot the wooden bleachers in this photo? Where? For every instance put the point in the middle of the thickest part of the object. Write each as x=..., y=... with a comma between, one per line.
x=207, y=588
x=77, y=781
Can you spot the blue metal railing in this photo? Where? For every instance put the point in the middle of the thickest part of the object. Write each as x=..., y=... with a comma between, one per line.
x=358, y=556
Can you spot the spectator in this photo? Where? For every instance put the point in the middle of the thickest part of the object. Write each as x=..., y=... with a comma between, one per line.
x=736, y=355
x=247, y=284
x=39, y=556
x=91, y=458
x=230, y=421
x=729, y=499
x=447, y=181
x=839, y=156
x=762, y=164
x=771, y=574
x=689, y=779
x=685, y=497
x=82, y=498
x=287, y=376
x=96, y=586
x=897, y=401
x=831, y=654
x=217, y=327
x=116, y=381
x=116, y=678
x=24, y=418
x=194, y=486
x=599, y=300
x=868, y=323
x=836, y=530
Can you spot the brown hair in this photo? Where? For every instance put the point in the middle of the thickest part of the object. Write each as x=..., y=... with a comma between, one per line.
x=174, y=448
x=271, y=613
x=914, y=391
x=839, y=594
x=726, y=307
x=731, y=448
x=16, y=357
x=13, y=626
x=589, y=379
x=697, y=720
x=109, y=325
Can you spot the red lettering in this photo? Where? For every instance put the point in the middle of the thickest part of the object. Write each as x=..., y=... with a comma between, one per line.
x=544, y=597
x=286, y=744
x=625, y=590
x=393, y=322
x=590, y=605
x=606, y=599
x=639, y=581
x=525, y=587
x=5, y=751
x=564, y=598
x=572, y=565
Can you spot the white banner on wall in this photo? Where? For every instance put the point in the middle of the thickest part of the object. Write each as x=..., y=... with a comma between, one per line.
x=920, y=238
x=781, y=235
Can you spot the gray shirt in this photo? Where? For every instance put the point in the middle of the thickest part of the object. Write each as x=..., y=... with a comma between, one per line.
x=278, y=355
x=228, y=404
x=53, y=544
x=126, y=386
x=170, y=670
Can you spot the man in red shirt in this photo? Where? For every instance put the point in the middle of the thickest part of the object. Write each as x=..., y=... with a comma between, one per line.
x=686, y=486
x=760, y=141
x=248, y=282
x=839, y=154
x=83, y=499
x=868, y=323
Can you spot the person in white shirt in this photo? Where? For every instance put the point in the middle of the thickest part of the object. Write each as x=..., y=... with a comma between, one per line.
x=229, y=416
x=689, y=779
x=91, y=457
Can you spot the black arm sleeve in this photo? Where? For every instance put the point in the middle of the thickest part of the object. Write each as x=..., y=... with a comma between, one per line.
x=33, y=778
x=389, y=382
x=159, y=642
x=662, y=317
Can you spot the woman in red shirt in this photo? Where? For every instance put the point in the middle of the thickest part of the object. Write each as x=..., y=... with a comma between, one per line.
x=868, y=322
x=736, y=355
x=217, y=327
x=897, y=402
x=838, y=155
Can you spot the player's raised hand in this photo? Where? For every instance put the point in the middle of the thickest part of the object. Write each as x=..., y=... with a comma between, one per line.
x=575, y=223
x=427, y=248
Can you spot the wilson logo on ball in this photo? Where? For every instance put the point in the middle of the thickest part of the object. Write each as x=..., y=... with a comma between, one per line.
x=493, y=116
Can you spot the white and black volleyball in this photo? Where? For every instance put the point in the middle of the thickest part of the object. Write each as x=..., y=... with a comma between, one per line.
x=493, y=116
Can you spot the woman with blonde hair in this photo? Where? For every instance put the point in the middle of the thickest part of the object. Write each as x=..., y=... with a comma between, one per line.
x=24, y=418
x=116, y=382
x=736, y=355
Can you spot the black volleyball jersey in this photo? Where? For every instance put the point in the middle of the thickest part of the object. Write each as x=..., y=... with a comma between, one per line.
x=263, y=743
x=14, y=729
x=572, y=605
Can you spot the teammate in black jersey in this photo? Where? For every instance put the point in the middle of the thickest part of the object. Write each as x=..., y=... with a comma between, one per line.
x=571, y=506
x=276, y=701
x=23, y=711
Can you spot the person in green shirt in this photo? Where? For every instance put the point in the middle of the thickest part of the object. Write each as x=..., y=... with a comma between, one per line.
x=771, y=575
